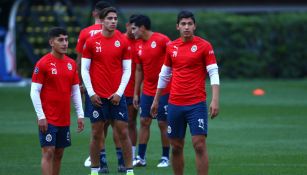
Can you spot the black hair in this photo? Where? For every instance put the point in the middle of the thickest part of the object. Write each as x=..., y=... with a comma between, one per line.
x=102, y=5
x=56, y=31
x=106, y=11
x=185, y=14
x=141, y=20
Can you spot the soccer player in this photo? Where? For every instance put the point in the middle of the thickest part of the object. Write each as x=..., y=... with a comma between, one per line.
x=106, y=69
x=54, y=83
x=151, y=51
x=129, y=92
x=83, y=36
x=187, y=60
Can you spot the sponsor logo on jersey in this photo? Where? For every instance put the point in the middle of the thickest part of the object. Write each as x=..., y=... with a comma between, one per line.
x=175, y=52
x=153, y=44
x=54, y=71
x=117, y=43
x=53, y=64
x=169, y=129
x=36, y=70
x=95, y=114
x=211, y=52
x=194, y=48
x=69, y=66
x=48, y=138
x=94, y=32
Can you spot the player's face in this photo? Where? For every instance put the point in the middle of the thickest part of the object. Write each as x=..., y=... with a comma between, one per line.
x=110, y=21
x=129, y=31
x=186, y=27
x=59, y=44
x=136, y=31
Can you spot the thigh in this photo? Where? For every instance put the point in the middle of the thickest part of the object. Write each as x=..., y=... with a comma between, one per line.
x=162, y=109
x=197, y=118
x=176, y=122
x=120, y=111
x=88, y=106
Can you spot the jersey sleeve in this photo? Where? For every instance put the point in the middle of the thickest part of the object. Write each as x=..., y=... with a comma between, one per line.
x=127, y=50
x=208, y=55
x=81, y=42
x=168, y=59
x=76, y=79
x=87, y=53
x=38, y=75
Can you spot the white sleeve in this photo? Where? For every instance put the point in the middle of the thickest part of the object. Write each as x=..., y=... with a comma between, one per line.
x=125, y=77
x=77, y=101
x=164, y=76
x=213, y=72
x=85, y=73
x=36, y=100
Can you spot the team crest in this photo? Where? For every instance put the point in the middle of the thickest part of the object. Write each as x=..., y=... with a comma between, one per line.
x=69, y=66
x=54, y=71
x=36, y=70
x=194, y=48
x=153, y=44
x=48, y=138
x=117, y=43
x=169, y=129
x=95, y=114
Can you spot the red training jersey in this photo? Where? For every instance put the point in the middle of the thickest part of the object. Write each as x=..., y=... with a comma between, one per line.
x=129, y=91
x=188, y=61
x=85, y=34
x=57, y=77
x=151, y=55
x=106, y=54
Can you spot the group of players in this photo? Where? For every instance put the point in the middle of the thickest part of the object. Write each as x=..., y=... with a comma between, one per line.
x=113, y=66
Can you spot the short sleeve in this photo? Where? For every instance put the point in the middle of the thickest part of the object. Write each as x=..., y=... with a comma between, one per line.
x=209, y=57
x=38, y=75
x=168, y=59
x=87, y=53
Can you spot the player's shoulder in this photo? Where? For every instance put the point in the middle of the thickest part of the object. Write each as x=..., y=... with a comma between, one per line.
x=44, y=58
x=200, y=40
x=161, y=36
x=175, y=42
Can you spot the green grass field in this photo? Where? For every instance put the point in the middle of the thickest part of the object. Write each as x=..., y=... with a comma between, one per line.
x=261, y=135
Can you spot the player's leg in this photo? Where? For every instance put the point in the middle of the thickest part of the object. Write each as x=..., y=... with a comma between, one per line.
x=132, y=115
x=58, y=155
x=47, y=159
x=88, y=108
x=118, y=147
x=176, y=133
x=63, y=140
x=98, y=118
x=120, y=117
x=144, y=135
x=48, y=143
x=197, y=118
x=162, y=122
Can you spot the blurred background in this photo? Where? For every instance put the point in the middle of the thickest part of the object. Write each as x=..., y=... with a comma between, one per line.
x=252, y=39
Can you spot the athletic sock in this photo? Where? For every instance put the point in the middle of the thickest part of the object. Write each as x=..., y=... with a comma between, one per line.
x=165, y=152
x=133, y=152
x=142, y=150
x=120, y=157
x=103, y=158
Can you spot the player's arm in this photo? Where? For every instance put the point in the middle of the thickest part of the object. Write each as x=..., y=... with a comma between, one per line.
x=78, y=62
x=212, y=70
x=37, y=103
x=77, y=101
x=85, y=73
x=115, y=98
x=164, y=79
x=139, y=75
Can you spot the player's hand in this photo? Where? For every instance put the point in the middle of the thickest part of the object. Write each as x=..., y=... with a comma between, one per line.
x=96, y=101
x=115, y=99
x=136, y=101
x=43, y=125
x=154, y=109
x=80, y=125
x=213, y=109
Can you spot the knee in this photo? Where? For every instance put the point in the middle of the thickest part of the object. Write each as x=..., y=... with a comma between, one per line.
x=48, y=155
x=58, y=156
x=177, y=148
x=199, y=146
x=145, y=122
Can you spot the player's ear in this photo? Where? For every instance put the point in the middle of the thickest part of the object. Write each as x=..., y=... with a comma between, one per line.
x=177, y=26
x=51, y=42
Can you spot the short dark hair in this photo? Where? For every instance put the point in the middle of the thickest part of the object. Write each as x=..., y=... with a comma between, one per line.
x=185, y=14
x=106, y=11
x=102, y=5
x=132, y=17
x=141, y=20
x=56, y=31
